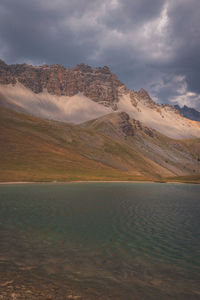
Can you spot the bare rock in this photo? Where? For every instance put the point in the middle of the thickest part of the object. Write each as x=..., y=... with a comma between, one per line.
x=99, y=84
x=125, y=124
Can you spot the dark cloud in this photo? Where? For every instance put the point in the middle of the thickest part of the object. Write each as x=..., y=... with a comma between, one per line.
x=153, y=44
x=127, y=14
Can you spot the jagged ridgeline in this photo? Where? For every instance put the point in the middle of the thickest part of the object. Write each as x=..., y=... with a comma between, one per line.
x=98, y=84
x=83, y=123
x=83, y=93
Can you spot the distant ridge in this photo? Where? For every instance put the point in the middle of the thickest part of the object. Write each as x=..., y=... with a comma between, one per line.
x=188, y=112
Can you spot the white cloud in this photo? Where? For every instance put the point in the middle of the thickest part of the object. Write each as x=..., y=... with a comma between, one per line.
x=184, y=96
x=175, y=86
x=190, y=99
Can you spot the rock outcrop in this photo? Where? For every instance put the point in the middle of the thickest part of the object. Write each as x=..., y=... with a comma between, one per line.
x=130, y=127
x=125, y=124
x=73, y=95
x=99, y=84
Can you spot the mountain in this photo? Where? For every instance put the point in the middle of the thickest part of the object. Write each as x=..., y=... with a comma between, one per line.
x=84, y=93
x=83, y=123
x=112, y=147
x=98, y=84
x=188, y=112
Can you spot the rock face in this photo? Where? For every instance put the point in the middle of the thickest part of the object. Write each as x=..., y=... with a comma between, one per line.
x=6, y=75
x=188, y=112
x=73, y=95
x=125, y=124
x=98, y=84
x=130, y=126
x=142, y=94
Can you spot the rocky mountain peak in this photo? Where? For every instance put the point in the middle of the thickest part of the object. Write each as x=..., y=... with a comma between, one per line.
x=143, y=94
x=98, y=84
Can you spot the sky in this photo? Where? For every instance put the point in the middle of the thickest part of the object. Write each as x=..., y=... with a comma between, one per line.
x=150, y=44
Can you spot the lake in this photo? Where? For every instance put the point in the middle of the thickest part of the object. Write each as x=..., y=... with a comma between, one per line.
x=100, y=241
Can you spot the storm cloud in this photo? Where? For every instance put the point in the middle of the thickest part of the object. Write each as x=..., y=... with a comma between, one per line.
x=154, y=44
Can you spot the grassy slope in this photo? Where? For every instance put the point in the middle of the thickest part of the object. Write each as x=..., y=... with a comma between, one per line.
x=181, y=158
x=185, y=179
x=32, y=149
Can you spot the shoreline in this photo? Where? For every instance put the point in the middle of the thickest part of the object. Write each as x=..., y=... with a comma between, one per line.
x=77, y=181
x=93, y=181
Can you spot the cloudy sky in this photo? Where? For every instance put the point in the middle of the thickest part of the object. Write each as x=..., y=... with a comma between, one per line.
x=154, y=44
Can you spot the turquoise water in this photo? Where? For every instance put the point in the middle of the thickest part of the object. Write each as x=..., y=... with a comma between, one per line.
x=100, y=241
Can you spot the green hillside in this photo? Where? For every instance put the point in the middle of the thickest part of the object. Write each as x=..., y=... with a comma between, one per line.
x=32, y=149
